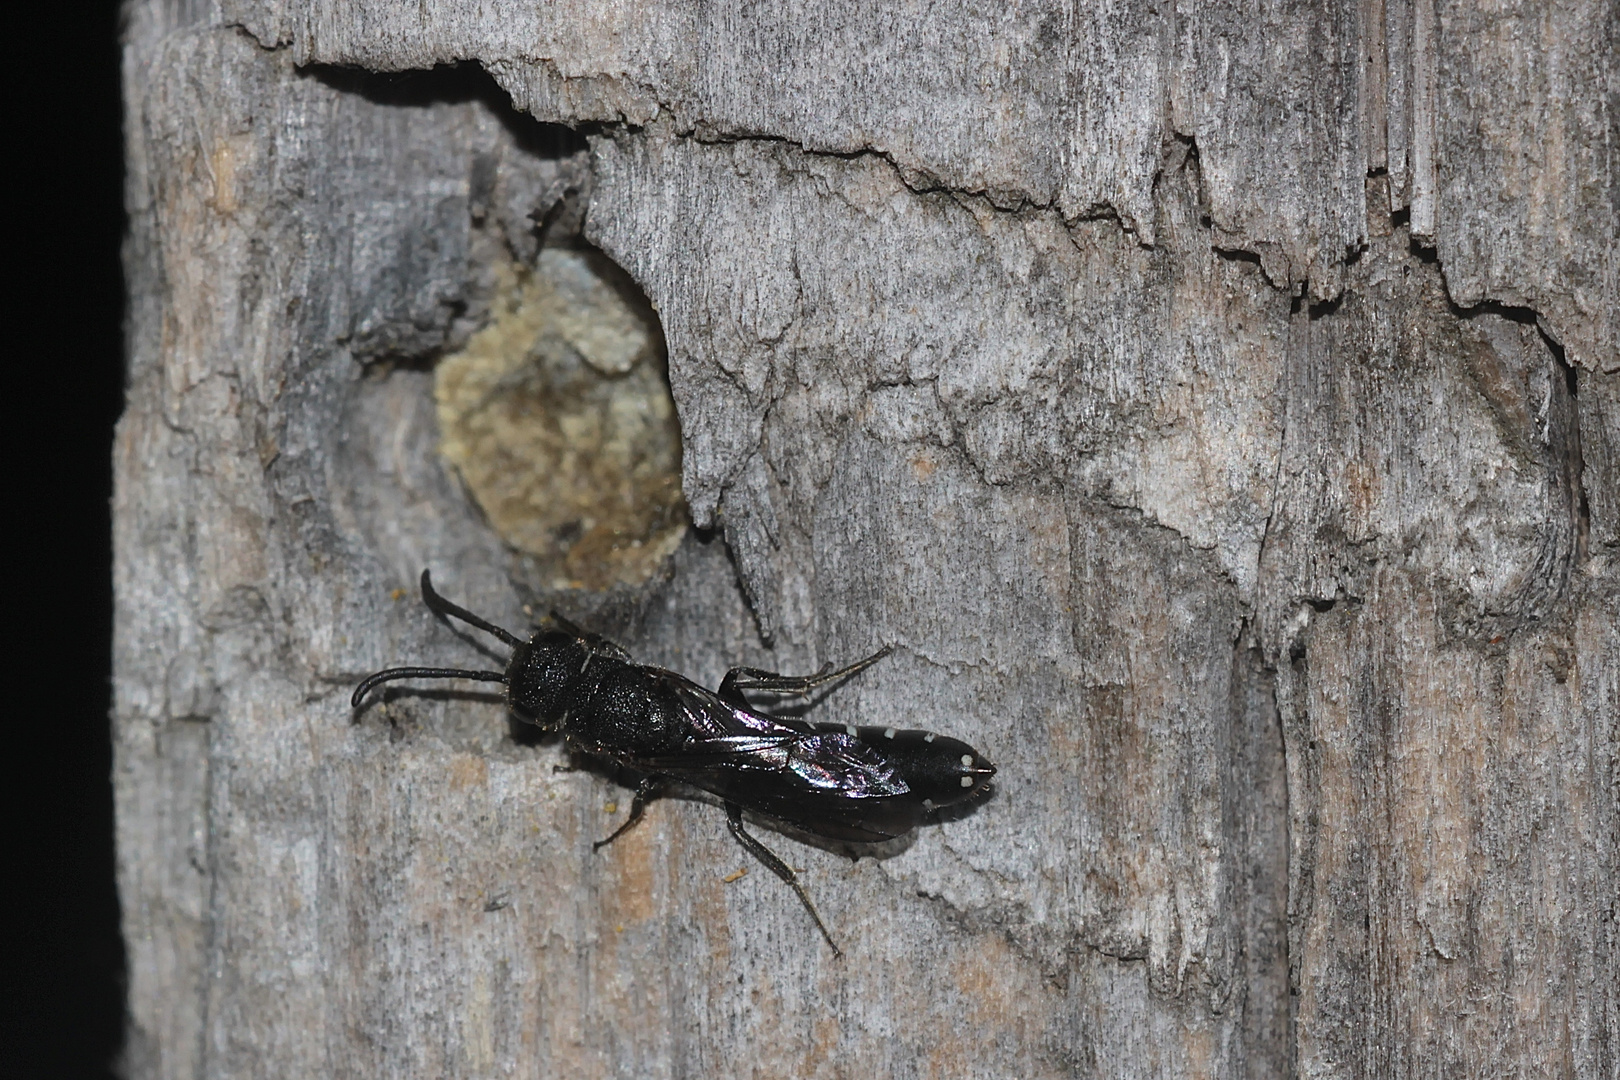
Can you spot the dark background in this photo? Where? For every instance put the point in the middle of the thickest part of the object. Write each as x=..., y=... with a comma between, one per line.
x=62, y=967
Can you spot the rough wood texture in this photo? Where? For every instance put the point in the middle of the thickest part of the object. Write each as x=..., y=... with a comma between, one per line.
x=1218, y=405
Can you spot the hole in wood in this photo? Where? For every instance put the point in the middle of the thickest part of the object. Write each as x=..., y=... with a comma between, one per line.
x=557, y=416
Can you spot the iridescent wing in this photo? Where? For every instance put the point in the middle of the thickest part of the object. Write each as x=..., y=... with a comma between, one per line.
x=825, y=782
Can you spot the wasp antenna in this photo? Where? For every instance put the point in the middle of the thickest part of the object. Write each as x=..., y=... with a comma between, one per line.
x=420, y=673
x=442, y=607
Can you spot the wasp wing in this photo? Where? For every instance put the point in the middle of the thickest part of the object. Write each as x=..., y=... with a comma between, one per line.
x=825, y=782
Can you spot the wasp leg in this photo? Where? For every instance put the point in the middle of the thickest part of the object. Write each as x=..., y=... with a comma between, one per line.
x=777, y=867
x=646, y=791
x=595, y=644
x=746, y=678
x=567, y=627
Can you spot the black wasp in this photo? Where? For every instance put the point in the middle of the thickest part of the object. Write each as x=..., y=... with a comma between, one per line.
x=855, y=784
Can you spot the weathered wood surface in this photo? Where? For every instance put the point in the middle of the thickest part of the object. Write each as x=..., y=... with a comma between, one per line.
x=1219, y=406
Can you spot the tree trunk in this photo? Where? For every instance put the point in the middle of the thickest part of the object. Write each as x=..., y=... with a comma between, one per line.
x=1217, y=406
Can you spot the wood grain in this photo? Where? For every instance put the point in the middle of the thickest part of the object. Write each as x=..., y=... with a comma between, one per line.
x=1218, y=406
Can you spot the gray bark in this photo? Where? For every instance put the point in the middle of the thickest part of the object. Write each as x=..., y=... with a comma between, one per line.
x=1218, y=406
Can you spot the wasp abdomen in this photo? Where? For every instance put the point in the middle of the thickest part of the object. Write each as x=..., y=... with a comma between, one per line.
x=935, y=767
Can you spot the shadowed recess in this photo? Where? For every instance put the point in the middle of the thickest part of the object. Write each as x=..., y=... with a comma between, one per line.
x=558, y=418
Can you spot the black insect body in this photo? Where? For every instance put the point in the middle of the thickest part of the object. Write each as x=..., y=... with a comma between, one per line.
x=859, y=784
